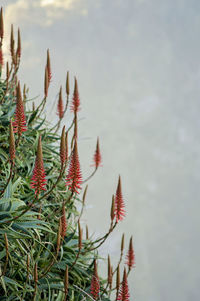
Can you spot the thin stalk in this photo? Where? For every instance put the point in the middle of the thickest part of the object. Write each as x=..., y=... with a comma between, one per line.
x=9, y=178
x=92, y=174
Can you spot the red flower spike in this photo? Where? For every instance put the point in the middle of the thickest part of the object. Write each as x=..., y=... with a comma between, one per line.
x=119, y=202
x=75, y=100
x=63, y=222
x=62, y=148
x=1, y=24
x=95, y=285
x=38, y=181
x=124, y=290
x=130, y=258
x=48, y=65
x=19, y=123
x=18, y=53
x=74, y=177
x=97, y=155
x=12, y=143
x=60, y=107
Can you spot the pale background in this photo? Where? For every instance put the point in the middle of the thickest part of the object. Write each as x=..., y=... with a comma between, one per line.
x=138, y=68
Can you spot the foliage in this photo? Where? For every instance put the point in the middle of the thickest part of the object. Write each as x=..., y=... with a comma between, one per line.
x=43, y=255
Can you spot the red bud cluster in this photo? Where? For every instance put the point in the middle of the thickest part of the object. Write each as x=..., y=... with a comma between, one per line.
x=75, y=106
x=119, y=202
x=130, y=257
x=95, y=285
x=124, y=290
x=19, y=123
x=60, y=107
x=74, y=177
x=38, y=181
x=97, y=155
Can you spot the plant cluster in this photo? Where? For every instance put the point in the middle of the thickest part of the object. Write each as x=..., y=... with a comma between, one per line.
x=44, y=254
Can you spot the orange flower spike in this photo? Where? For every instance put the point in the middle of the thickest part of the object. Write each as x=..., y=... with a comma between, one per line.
x=1, y=25
x=119, y=202
x=1, y=57
x=48, y=65
x=38, y=181
x=118, y=279
x=124, y=290
x=67, y=84
x=62, y=148
x=58, y=236
x=97, y=155
x=24, y=93
x=7, y=72
x=122, y=244
x=19, y=123
x=12, y=43
x=86, y=232
x=95, y=285
x=109, y=272
x=74, y=177
x=75, y=106
x=66, y=282
x=60, y=108
x=46, y=82
x=35, y=273
x=18, y=53
x=130, y=258
x=12, y=143
x=6, y=243
x=112, y=211
x=63, y=222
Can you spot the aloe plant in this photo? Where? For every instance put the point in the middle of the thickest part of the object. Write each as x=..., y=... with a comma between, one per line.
x=43, y=252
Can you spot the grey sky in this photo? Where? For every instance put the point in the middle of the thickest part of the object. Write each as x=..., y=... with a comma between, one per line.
x=137, y=64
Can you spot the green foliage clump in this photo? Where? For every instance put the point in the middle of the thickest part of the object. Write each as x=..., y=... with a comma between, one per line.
x=38, y=260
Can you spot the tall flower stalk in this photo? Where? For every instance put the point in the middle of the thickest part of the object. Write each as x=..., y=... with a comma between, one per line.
x=63, y=148
x=12, y=143
x=19, y=123
x=48, y=66
x=130, y=257
x=95, y=285
x=75, y=105
x=119, y=202
x=38, y=181
x=124, y=289
x=97, y=155
x=63, y=222
x=74, y=177
x=60, y=107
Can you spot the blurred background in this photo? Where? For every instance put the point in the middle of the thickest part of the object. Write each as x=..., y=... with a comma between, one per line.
x=138, y=67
